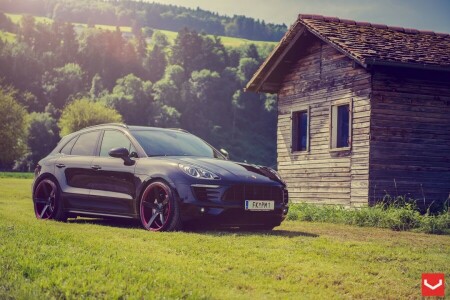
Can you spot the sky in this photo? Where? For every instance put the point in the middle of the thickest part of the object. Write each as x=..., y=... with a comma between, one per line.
x=419, y=14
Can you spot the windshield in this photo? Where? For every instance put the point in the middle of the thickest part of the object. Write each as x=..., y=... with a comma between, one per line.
x=173, y=143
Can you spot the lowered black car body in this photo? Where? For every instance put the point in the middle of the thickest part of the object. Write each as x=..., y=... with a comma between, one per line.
x=164, y=177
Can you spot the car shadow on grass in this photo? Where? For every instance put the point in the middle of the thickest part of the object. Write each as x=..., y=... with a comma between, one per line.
x=121, y=223
x=203, y=229
x=241, y=232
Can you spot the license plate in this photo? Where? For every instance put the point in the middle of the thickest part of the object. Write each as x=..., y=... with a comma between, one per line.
x=259, y=205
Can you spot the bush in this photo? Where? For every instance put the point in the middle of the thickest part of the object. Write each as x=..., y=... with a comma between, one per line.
x=82, y=113
x=397, y=214
x=13, y=128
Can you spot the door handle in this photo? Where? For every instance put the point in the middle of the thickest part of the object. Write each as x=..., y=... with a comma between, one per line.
x=96, y=167
x=61, y=165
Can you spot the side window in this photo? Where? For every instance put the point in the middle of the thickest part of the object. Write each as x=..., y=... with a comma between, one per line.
x=300, y=130
x=114, y=139
x=86, y=144
x=68, y=147
x=340, y=126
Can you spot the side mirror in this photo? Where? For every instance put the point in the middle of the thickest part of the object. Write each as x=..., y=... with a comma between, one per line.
x=225, y=153
x=123, y=154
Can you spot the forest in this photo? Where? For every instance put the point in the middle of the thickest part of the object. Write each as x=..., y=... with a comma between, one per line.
x=147, y=14
x=55, y=80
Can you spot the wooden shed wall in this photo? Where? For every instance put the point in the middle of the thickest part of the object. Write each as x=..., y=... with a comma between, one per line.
x=322, y=77
x=410, y=135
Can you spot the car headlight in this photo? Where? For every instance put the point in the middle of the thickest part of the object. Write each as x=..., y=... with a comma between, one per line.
x=198, y=172
x=277, y=175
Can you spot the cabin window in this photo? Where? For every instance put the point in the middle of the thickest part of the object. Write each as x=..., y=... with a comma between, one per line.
x=340, y=126
x=300, y=130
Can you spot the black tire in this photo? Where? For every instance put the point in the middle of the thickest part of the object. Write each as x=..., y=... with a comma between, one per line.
x=159, y=209
x=47, y=201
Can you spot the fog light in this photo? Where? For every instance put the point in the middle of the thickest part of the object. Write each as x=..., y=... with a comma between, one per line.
x=202, y=210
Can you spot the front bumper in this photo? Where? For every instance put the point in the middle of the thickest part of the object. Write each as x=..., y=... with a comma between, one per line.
x=225, y=204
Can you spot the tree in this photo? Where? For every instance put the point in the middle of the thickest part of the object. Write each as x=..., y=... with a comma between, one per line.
x=42, y=135
x=187, y=51
x=160, y=39
x=247, y=67
x=132, y=97
x=252, y=52
x=167, y=91
x=69, y=45
x=27, y=30
x=63, y=82
x=215, y=56
x=155, y=64
x=196, y=52
x=82, y=113
x=13, y=128
x=206, y=108
x=97, y=88
x=6, y=24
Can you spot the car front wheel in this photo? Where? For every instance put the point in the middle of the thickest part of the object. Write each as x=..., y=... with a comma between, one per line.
x=159, y=209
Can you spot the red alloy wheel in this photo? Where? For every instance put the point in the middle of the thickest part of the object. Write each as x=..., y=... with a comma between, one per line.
x=45, y=199
x=155, y=207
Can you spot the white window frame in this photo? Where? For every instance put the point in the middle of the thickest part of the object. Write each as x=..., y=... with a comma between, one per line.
x=333, y=125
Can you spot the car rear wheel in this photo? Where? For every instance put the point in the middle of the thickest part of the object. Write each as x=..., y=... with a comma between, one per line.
x=159, y=209
x=47, y=201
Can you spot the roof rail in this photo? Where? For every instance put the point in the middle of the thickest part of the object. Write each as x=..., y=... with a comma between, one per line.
x=108, y=124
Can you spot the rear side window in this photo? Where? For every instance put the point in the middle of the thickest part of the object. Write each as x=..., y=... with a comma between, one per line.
x=68, y=147
x=114, y=139
x=86, y=144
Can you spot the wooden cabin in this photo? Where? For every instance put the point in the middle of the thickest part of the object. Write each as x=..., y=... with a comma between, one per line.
x=363, y=111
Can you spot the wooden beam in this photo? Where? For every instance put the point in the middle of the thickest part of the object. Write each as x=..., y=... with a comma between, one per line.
x=280, y=58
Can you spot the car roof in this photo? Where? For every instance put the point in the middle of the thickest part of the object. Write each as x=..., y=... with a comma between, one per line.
x=126, y=127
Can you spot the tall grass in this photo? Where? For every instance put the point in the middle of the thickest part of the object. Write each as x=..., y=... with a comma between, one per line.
x=396, y=214
x=23, y=175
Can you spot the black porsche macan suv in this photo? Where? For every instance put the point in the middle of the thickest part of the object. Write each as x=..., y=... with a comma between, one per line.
x=164, y=177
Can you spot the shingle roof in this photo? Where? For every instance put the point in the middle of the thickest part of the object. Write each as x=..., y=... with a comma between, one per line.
x=366, y=43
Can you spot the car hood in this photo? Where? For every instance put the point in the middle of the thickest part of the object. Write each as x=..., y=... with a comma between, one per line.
x=228, y=169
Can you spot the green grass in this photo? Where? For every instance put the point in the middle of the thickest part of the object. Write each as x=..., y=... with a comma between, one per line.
x=98, y=259
x=171, y=35
x=16, y=18
x=23, y=175
x=7, y=36
x=396, y=216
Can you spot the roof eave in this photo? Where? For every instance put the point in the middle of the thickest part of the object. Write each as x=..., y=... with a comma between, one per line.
x=255, y=84
x=382, y=63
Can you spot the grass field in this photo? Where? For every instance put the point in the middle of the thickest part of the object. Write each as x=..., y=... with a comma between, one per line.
x=104, y=259
x=171, y=35
x=7, y=36
x=23, y=175
x=16, y=18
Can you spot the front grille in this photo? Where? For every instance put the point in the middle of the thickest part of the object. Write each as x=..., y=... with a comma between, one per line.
x=204, y=193
x=243, y=192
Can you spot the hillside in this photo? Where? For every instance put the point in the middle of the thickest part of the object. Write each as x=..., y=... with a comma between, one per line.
x=171, y=35
x=145, y=14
